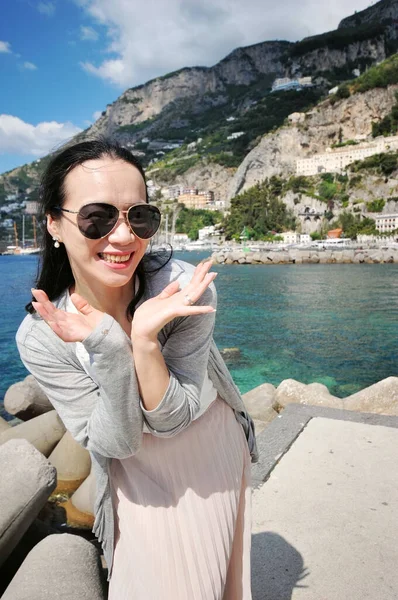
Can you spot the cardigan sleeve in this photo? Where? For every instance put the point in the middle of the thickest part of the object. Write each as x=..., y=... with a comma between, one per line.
x=187, y=342
x=104, y=418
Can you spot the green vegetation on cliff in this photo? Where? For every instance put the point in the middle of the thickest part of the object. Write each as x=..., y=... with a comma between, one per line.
x=260, y=211
x=190, y=221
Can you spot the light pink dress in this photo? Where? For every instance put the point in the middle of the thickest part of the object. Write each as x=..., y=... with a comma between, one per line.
x=183, y=514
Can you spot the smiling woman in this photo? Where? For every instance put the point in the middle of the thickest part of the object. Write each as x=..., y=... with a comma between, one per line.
x=123, y=347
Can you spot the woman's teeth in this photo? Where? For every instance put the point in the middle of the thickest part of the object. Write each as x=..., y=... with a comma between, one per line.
x=114, y=258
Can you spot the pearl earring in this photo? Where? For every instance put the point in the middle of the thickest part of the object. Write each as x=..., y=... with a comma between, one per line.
x=56, y=242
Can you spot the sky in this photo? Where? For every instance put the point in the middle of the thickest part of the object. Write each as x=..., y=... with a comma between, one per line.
x=63, y=61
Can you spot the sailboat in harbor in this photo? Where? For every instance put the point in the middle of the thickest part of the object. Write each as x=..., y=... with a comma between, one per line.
x=22, y=250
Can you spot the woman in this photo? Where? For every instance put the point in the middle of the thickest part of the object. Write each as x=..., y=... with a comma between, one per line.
x=123, y=347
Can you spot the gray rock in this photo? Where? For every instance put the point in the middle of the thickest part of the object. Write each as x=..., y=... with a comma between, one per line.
x=260, y=403
x=26, y=399
x=230, y=353
x=381, y=398
x=43, y=432
x=27, y=481
x=65, y=567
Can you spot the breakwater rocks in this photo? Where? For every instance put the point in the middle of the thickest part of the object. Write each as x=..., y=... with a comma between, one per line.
x=41, y=462
x=297, y=256
x=265, y=402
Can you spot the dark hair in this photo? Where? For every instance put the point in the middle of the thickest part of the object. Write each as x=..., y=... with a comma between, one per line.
x=54, y=272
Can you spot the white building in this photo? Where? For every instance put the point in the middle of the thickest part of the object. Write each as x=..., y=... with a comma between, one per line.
x=235, y=135
x=207, y=232
x=386, y=223
x=337, y=159
x=290, y=237
x=285, y=83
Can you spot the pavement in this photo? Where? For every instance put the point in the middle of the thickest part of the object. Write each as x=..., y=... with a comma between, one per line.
x=325, y=507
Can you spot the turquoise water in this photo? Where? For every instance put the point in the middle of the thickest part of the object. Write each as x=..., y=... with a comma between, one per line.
x=335, y=324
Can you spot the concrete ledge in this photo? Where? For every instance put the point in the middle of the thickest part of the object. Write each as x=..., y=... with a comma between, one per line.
x=324, y=507
x=281, y=433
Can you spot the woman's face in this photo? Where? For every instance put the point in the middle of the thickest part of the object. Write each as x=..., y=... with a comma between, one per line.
x=103, y=180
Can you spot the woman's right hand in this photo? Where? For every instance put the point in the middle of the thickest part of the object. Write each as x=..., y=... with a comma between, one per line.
x=70, y=327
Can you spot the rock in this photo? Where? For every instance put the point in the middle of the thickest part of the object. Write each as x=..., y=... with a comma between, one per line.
x=72, y=462
x=43, y=432
x=4, y=425
x=231, y=353
x=62, y=566
x=26, y=399
x=80, y=507
x=380, y=398
x=27, y=481
x=260, y=402
x=316, y=394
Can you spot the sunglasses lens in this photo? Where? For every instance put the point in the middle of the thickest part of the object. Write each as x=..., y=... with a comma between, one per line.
x=144, y=220
x=97, y=220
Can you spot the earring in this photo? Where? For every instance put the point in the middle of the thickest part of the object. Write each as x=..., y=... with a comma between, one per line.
x=56, y=242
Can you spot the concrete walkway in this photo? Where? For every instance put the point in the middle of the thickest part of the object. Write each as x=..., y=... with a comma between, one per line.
x=325, y=522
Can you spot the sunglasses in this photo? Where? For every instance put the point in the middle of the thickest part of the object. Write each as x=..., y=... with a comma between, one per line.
x=98, y=219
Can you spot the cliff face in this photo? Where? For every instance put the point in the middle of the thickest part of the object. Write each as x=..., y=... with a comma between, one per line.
x=276, y=154
x=382, y=11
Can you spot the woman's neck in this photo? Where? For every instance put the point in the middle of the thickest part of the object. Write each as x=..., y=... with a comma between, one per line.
x=113, y=301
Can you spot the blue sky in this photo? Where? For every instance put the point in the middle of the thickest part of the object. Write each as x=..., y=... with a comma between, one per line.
x=62, y=61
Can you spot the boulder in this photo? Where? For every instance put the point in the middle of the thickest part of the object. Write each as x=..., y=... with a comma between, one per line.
x=43, y=432
x=260, y=403
x=230, y=353
x=381, y=398
x=27, y=481
x=64, y=566
x=291, y=391
x=72, y=462
x=26, y=399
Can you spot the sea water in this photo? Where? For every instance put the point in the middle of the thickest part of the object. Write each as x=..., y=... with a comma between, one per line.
x=333, y=324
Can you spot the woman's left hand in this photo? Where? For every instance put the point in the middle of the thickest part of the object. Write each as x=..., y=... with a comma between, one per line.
x=155, y=313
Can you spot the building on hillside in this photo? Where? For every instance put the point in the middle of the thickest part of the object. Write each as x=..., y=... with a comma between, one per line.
x=209, y=196
x=286, y=83
x=337, y=159
x=207, y=232
x=293, y=237
x=235, y=135
x=193, y=201
x=386, y=223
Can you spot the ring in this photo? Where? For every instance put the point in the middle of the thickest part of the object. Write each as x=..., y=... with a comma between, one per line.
x=188, y=300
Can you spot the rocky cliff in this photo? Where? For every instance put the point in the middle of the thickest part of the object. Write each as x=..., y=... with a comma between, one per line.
x=317, y=130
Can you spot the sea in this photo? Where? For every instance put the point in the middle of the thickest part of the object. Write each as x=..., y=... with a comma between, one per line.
x=332, y=324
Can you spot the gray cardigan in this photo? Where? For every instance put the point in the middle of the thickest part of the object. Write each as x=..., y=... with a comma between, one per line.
x=107, y=416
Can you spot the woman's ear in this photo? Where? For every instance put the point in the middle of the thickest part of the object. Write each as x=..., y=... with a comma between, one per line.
x=52, y=227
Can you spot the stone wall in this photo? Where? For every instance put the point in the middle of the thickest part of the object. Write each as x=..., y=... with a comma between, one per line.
x=297, y=256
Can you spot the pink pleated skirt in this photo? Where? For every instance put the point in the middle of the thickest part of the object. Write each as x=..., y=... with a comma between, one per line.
x=183, y=514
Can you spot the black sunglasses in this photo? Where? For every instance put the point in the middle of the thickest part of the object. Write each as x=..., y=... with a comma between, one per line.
x=98, y=219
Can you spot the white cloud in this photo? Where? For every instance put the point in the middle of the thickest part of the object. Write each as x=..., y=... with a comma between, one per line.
x=5, y=47
x=29, y=66
x=88, y=33
x=96, y=115
x=46, y=8
x=163, y=36
x=18, y=137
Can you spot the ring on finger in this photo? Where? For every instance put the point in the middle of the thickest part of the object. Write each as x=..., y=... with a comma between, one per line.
x=188, y=300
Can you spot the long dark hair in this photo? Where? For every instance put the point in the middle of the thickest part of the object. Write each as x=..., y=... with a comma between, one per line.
x=54, y=272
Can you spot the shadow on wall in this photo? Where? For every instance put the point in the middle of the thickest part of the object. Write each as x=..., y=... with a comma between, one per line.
x=277, y=567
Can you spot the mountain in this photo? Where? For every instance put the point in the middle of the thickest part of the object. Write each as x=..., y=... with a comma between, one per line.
x=209, y=126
